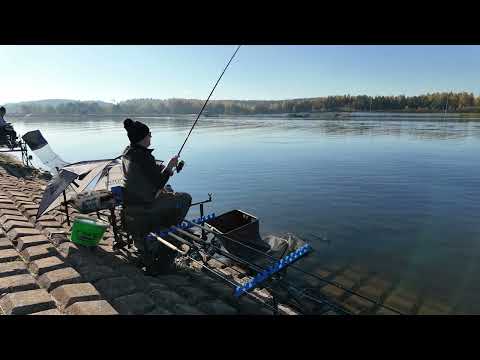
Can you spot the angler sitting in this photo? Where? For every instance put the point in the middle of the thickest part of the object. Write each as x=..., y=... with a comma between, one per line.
x=146, y=202
x=6, y=128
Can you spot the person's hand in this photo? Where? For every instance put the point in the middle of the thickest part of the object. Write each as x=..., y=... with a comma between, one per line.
x=173, y=162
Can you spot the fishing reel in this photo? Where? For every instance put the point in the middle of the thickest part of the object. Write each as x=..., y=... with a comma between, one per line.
x=180, y=165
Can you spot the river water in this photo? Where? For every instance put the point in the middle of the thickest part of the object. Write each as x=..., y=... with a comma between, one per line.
x=394, y=196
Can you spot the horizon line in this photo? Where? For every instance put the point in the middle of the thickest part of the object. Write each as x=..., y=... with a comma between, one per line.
x=197, y=99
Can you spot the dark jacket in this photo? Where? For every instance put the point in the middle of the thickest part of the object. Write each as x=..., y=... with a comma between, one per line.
x=143, y=177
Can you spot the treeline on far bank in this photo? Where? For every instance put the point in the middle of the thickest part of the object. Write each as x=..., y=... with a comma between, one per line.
x=436, y=102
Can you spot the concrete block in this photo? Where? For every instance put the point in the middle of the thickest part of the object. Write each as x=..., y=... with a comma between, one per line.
x=115, y=287
x=26, y=302
x=5, y=244
x=30, y=212
x=5, y=218
x=134, y=304
x=16, y=193
x=38, y=252
x=14, y=283
x=4, y=212
x=46, y=217
x=16, y=233
x=48, y=312
x=10, y=206
x=24, y=242
x=401, y=302
x=13, y=268
x=30, y=206
x=344, y=281
x=332, y=291
x=97, y=307
x=56, y=278
x=357, y=305
x=8, y=255
x=69, y=294
x=47, y=224
x=41, y=266
x=93, y=273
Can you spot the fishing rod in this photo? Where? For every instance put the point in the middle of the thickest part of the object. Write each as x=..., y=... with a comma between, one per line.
x=289, y=286
x=182, y=163
x=192, y=243
x=216, y=273
x=298, y=268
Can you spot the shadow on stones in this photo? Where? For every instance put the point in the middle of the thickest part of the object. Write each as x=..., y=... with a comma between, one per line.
x=17, y=169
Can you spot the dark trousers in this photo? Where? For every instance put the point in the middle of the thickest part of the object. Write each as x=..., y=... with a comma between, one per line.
x=168, y=209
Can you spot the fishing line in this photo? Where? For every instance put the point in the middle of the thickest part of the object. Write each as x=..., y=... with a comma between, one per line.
x=181, y=163
x=287, y=284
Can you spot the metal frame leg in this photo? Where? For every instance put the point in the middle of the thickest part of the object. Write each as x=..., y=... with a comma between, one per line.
x=66, y=207
x=204, y=234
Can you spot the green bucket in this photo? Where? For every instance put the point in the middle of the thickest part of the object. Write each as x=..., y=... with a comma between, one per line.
x=87, y=232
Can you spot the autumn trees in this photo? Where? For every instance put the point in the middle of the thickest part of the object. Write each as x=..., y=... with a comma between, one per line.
x=435, y=102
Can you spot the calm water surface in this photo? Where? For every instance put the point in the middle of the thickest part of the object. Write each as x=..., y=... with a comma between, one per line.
x=398, y=198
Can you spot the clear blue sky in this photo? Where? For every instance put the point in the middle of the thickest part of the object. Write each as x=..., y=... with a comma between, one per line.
x=258, y=72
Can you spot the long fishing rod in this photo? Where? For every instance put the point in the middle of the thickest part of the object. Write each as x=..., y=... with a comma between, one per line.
x=257, y=268
x=298, y=269
x=181, y=163
x=253, y=266
x=216, y=273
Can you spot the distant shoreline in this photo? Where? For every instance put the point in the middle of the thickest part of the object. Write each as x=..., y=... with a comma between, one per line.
x=439, y=102
x=385, y=115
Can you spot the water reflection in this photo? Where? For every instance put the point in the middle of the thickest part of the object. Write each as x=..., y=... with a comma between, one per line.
x=425, y=129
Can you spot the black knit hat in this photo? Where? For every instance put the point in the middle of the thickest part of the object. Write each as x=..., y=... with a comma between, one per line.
x=136, y=130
